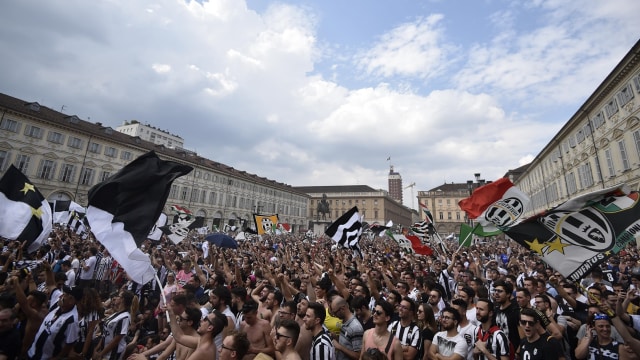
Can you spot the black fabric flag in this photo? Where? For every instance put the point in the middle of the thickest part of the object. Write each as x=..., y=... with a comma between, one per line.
x=25, y=215
x=347, y=229
x=124, y=208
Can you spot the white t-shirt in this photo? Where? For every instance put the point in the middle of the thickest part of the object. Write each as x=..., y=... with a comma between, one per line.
x=448, y=346
x=91, y=264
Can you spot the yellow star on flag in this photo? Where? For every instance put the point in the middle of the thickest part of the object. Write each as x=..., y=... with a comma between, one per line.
x=36, y=212
x=536, y=246
x=27, y=187
x=557, y=245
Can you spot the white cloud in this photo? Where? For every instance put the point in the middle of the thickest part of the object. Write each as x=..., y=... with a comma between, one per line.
x=413, y=49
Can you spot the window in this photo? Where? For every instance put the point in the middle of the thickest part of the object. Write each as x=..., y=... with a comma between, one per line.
x=55, y=137
x=10, y=125
x=625, y=95
x=33, y=131
x=623, y=155
x=441, y=215
x=67, y=173
x=636, y=80
x=449, y=215
x=571, y=183
x=585, y=175
x=375, y=214
x=4, y=159
x=22, y=163
x=611, y=108
x=126, y=155
x=110, y=151
x=174, y=192
x=203, y=197
x=94, y=148
x=86, y=176
x=183, y=194
x=46, y=169
x=609, y=159
x=74, y=142
x=105, y=175
x=457, y=216
x=598, y=120
x=572, y=141
x=194, y=195
x=636, y=140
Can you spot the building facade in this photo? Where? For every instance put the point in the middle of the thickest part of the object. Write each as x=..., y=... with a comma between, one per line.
x=373, y=205
x=395, y=185
x=151, y=134
x=65, y=156
x=443, y=201
x=597, y=148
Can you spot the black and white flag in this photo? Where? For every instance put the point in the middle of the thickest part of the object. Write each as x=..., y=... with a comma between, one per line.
x=124, y=208
x=347, y=229
x=25, y=215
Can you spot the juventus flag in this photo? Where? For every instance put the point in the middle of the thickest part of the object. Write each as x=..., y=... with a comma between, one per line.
x=347, y=229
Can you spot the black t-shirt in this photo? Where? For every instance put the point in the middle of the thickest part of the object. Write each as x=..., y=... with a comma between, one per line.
x=545, y=348
x=10, y=344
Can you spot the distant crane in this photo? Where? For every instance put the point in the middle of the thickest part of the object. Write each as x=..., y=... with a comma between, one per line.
x=412, y=185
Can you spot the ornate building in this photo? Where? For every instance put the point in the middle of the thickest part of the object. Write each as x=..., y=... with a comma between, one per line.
x=597, y=148
x=65, y=156
x=374, y=205
x=442, y=201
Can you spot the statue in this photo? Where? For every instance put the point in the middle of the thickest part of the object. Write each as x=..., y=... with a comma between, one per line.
x=323, y=208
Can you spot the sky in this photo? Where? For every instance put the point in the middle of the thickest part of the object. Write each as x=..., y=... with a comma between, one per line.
x=324, y=92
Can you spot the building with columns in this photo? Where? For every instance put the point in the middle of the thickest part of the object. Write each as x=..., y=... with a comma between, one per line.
x=442, y=201
x=64, y=156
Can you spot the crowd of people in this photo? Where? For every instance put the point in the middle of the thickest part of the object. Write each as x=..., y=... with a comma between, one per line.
x=292, y=297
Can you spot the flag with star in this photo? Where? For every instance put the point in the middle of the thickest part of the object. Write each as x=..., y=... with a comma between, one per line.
x=25, y=215
x=580, y=234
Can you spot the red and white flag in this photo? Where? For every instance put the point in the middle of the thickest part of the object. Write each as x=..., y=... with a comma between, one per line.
x=498, y=203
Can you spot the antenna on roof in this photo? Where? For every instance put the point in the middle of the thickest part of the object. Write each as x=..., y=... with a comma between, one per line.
x=62, y=108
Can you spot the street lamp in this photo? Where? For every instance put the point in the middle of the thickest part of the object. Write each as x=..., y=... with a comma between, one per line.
x=472, y=185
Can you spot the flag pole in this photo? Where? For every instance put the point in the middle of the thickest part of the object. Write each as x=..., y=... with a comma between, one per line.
x=468, y=235
x=442, y=245
x=164, y=297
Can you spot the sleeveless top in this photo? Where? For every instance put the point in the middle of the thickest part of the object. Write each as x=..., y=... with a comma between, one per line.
x=369, y=341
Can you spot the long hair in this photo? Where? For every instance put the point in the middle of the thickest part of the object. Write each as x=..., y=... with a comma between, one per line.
x=130, y=302
x=429, y=318
x=90, y=302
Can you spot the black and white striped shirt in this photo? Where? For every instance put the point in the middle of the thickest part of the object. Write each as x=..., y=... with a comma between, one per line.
x=57, y=330
x=408, y=335
x=322, y=347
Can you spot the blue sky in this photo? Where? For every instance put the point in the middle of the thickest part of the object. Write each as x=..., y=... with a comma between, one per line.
x=323, y=92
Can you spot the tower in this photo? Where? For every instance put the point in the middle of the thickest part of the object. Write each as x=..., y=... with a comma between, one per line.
x=395, y=185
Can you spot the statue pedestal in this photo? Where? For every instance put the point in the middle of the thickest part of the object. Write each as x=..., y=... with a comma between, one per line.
x=319, y=226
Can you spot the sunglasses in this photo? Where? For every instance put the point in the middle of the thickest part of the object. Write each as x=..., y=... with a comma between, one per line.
x=278, y=336
x=378, y=312
x=527, y=322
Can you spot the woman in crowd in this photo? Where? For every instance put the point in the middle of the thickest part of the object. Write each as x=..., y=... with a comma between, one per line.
x=90, y=311
x=428, y=326
x=114, y=329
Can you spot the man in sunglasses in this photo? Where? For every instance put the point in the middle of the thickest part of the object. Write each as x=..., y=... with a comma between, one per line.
x=286, y=337
x=534, y=346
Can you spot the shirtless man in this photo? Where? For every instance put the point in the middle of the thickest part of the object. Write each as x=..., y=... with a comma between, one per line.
x=188, y=322
x=257, y=331
x=286, y=336
x=210, y=326
x=303, y=345
x=263, y=295
x=33, y=306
